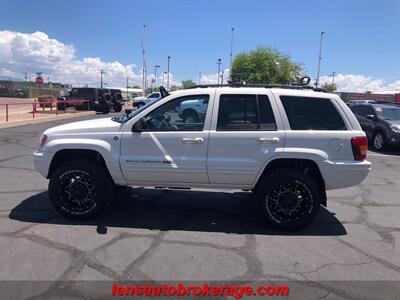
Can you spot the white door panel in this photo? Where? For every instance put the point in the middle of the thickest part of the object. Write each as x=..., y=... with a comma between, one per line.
x=164, y=157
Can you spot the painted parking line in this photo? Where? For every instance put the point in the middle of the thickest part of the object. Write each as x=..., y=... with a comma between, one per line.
x=381, y=155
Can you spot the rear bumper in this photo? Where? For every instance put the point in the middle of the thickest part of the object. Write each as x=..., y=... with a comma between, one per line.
x=342, y=174
x=42, y=161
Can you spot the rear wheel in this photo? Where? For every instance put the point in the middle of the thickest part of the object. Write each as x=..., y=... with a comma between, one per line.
x=288, y=198
x=80, y=189
x=190, y=116
x=117, y=107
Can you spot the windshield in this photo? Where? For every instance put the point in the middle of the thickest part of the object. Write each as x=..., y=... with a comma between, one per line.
x=389, y=113
x=125, y=118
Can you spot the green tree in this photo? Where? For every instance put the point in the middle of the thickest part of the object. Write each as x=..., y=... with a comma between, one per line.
x=265, y=65
x=188, y=83
x=329, y=87
x=175, y=88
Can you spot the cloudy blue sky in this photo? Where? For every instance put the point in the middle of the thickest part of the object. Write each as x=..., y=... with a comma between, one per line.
x=72, y=40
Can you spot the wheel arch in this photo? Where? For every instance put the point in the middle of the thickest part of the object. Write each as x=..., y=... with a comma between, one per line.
x=65, y=155
x=307, y=166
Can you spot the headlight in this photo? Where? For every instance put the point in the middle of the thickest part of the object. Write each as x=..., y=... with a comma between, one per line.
x=395, y=129
x=43, y=139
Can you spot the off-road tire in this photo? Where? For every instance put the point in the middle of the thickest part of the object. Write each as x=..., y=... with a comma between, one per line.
x=285, y=190
x=76, y=179
x=117, y=107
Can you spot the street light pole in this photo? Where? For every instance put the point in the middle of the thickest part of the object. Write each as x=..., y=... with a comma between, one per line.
x=127, y=85
x=230, y=64
x=101, y=78
x=155, y=75
x=169, y=58
x=222, y=77
x=333, y=77
x=219, y=62
x=319, y=58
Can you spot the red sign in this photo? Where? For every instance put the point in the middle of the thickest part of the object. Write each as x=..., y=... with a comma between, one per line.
x=39, y=80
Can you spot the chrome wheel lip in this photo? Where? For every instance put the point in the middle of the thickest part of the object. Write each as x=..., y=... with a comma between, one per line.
x=378, y=141
x=302, y=208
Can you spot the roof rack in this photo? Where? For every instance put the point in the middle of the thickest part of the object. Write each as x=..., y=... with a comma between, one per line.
x=281, y=86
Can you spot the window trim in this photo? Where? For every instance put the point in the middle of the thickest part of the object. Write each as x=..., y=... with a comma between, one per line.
x=177, y=98
x=332, y=102
x=257, y=113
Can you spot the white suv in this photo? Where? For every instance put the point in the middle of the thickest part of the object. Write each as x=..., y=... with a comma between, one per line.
x=287, y=145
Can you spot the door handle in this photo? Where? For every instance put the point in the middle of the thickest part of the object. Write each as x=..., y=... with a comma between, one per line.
x=273, y=140
x=192, y=140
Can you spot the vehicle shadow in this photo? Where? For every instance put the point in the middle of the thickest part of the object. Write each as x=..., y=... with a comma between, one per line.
x=390, y=151
x=183, y=210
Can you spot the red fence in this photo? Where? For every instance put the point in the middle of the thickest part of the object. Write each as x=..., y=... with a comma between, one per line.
x=44, y=104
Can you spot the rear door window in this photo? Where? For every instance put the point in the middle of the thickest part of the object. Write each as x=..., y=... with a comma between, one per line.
x=308, y=113
x=245, y=112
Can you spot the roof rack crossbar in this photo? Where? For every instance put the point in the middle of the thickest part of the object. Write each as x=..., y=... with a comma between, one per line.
x=282, y=86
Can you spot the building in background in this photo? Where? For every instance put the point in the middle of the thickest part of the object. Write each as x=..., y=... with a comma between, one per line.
x=389, y=96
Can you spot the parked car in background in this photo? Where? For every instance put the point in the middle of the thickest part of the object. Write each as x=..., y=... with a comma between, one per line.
x=192, y=110
x=352, y=102
x=47, y=100
x=99, y=100
x=117, y=100
x=381, y=123
x=141, y=101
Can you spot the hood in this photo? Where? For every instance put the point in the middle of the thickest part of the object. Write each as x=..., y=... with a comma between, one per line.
x=89, y=126
x=394, y=122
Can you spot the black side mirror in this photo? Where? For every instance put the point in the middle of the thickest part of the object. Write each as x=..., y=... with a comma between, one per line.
x=370, y=117
x=139, y=126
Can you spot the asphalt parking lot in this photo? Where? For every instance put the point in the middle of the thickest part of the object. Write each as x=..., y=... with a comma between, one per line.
x=203, y=235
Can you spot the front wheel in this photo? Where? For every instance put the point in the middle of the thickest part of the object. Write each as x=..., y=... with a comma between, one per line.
x=80, y=189
x=289, y=199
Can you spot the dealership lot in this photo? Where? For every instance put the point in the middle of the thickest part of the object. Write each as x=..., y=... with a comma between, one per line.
x=198, y=235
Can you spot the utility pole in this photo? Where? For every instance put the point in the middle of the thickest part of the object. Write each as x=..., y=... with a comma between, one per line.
x=169, y=58
x=222, y=77
x=319, y=58
x=101, y=78
x=199, y=78
x=155, y=75
x=219, y=62
x=230, y=64
x=333, y=77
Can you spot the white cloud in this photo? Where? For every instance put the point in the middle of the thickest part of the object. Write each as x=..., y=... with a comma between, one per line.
x=361, y=83
x=213, y=77
x=36, y=52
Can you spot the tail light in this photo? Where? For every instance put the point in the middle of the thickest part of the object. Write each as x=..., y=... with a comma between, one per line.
x=43, y=139
x=359, y=145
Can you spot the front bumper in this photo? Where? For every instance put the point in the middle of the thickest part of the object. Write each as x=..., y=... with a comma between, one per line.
x=42, y=161
x=342, y=174
x=393, y=138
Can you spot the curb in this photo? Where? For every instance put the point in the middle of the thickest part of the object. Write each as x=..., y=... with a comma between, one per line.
x=45, y=119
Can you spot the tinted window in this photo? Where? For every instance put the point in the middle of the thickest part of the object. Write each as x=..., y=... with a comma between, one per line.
x=267, y=119
x=305, y=113
x=245, y=112
x=181, y=114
